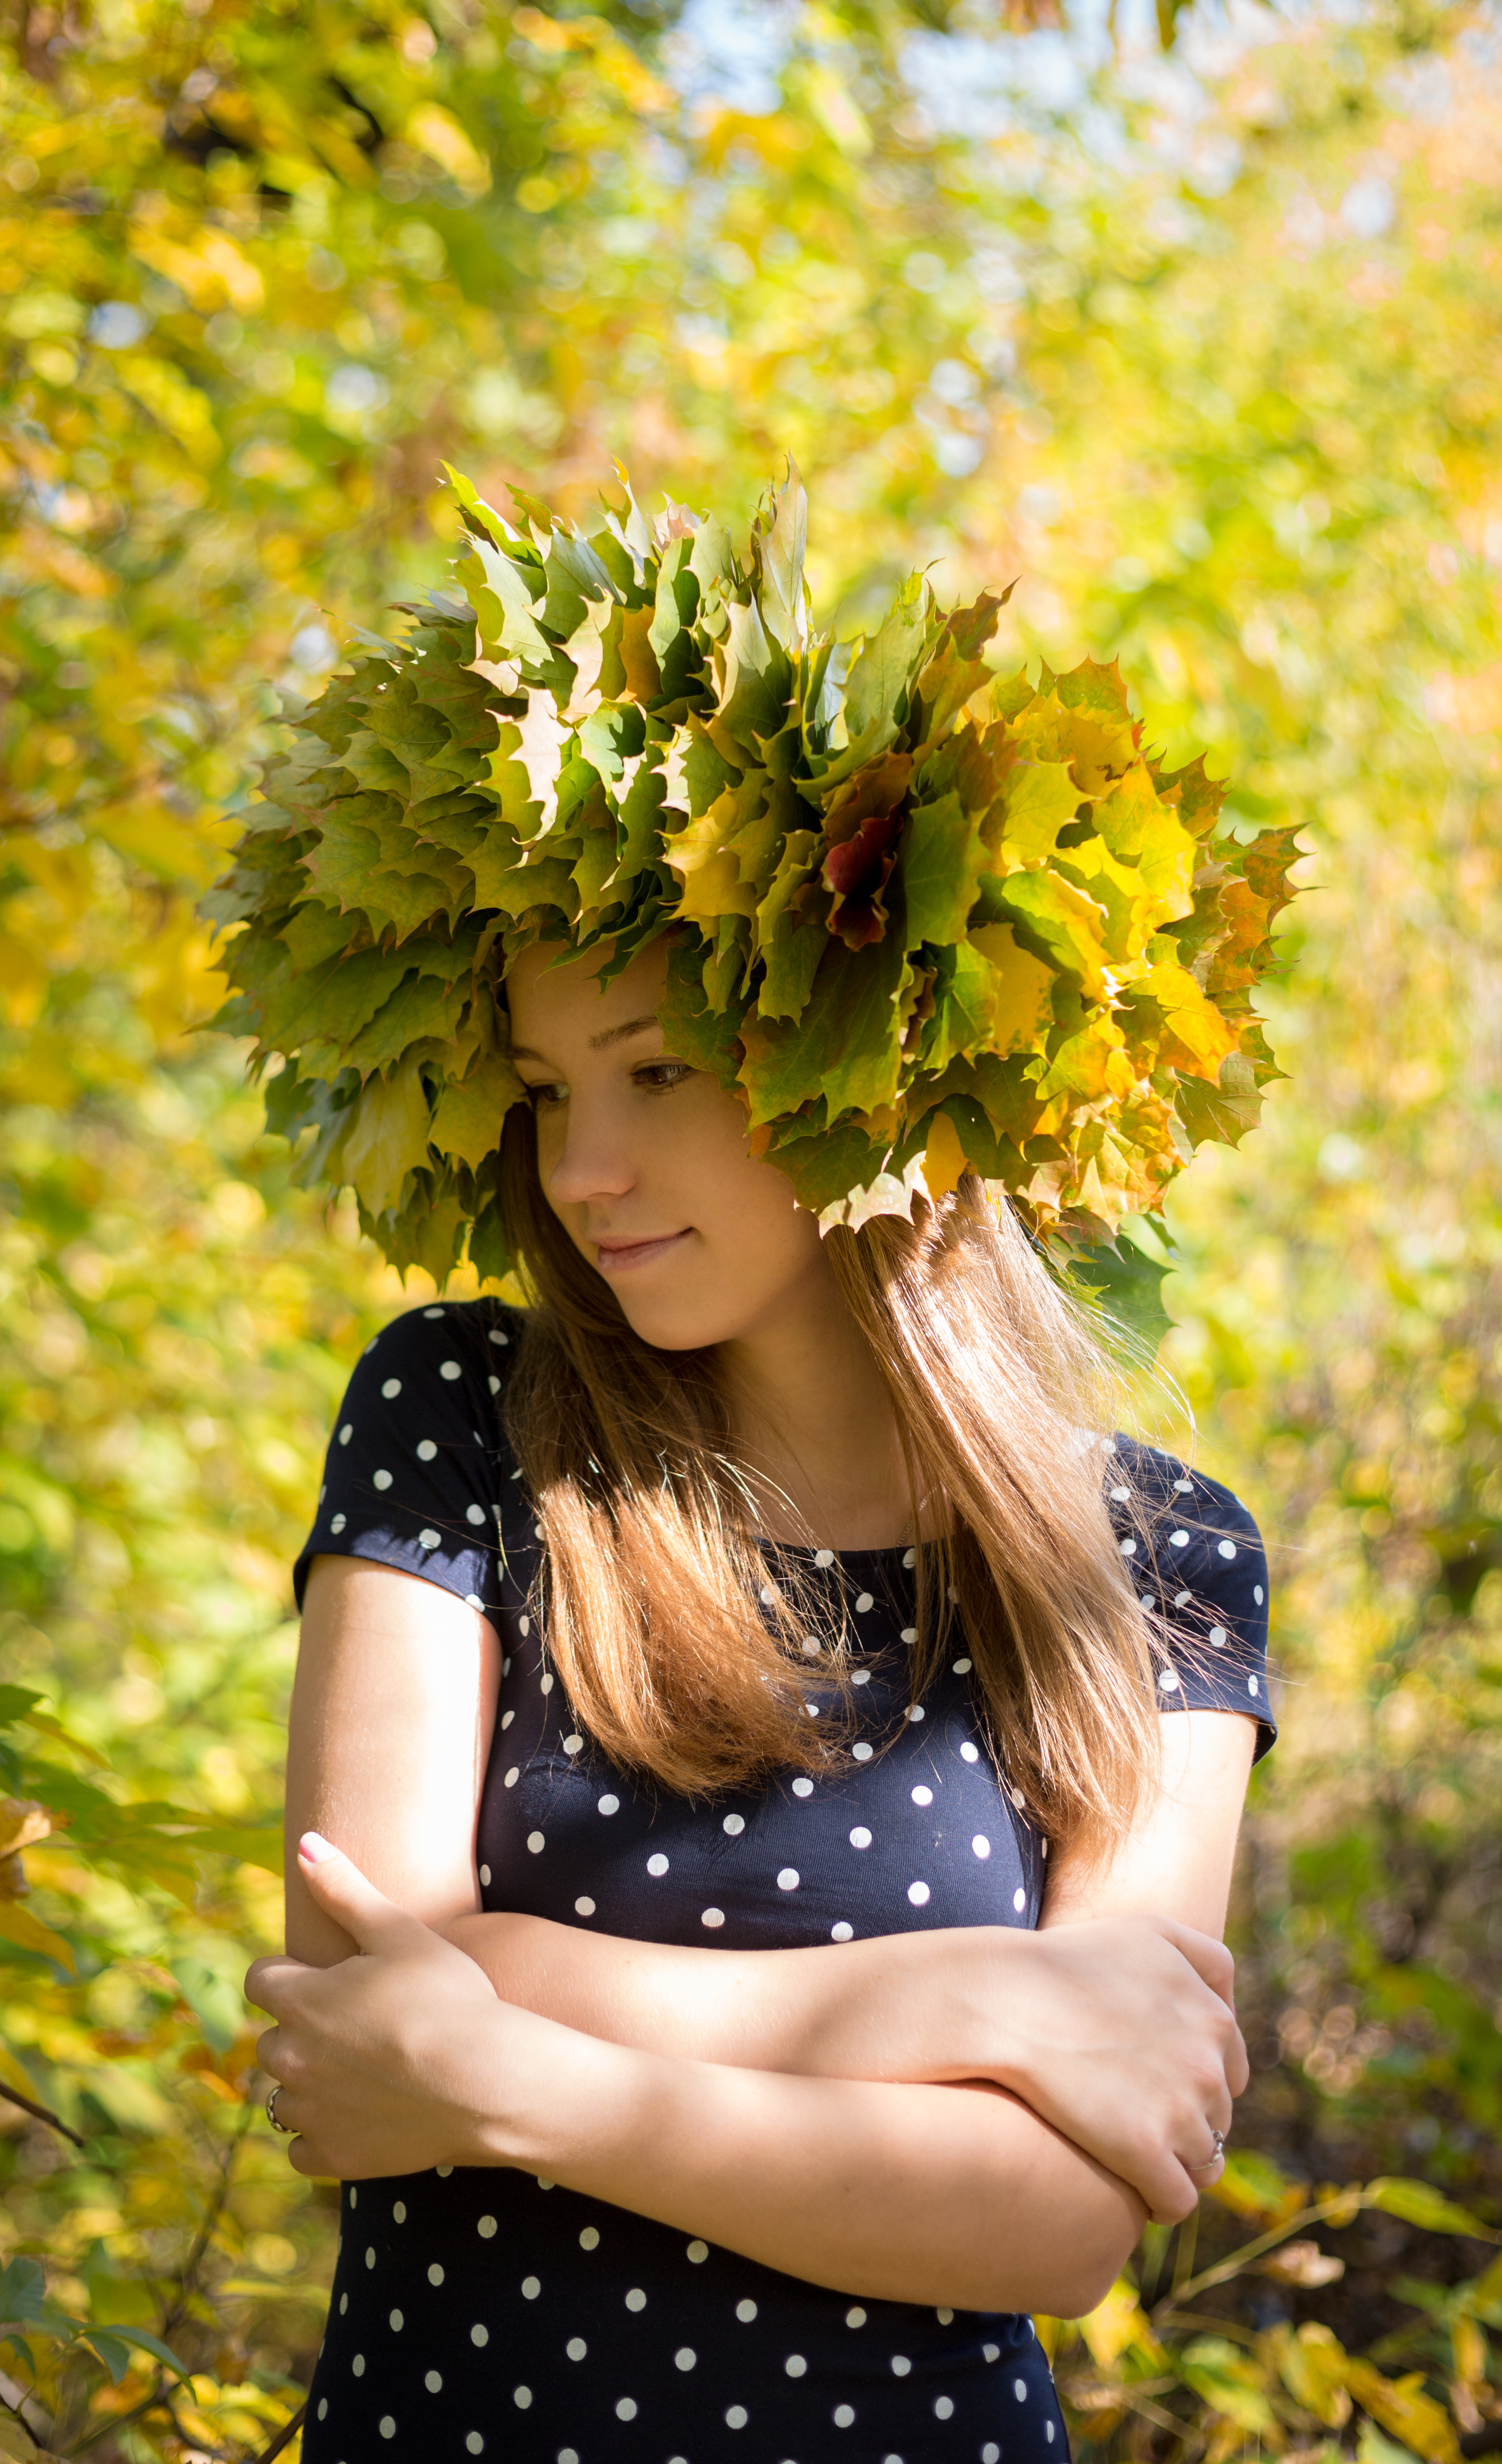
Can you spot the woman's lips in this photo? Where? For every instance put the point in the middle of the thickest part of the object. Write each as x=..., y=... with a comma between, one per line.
x=618, y=1257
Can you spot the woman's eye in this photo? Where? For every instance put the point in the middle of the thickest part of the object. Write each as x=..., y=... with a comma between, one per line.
x=552, y=1093
x=660, y=1075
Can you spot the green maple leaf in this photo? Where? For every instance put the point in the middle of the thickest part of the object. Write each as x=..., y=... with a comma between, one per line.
x=1039, y=799
x=956, y=671
x=420, y=1007
x=577, y=577
x=691, y=1030
x=1093, y=688
x=639, y=821
x=312, y=936
x=1197, y=799
x=467, y=1121
x=427, y=1230
x=1068, y=924
x=1133, y=912
x=705, y=771
x=342, y=864
x=672, y=635
x=596, y=864
x=877, y=686
x=719, y=857
x=535, y=888
x=1226, y=1110
x=1094, y=732
x=789, y=940
x=387, y=1137
x=372, y=764
x=756, y=678
x=503, y=600
x=825, y=1165
x=779, y=543
x=1123, y=1282
x=332, y=1002
x=944, y=856
x=712, y=560
x=847, y=1049
x=612, y=735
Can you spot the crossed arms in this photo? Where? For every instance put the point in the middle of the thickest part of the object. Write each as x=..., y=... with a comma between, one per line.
x=980, y=2118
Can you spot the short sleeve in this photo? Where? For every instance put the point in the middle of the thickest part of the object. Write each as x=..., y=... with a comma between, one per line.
x=412, y=1475
x=1200, y=1571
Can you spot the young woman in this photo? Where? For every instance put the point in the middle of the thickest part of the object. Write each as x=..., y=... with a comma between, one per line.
x=728, y=1729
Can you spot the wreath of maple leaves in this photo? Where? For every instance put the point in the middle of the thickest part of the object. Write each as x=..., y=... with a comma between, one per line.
x=923, y=916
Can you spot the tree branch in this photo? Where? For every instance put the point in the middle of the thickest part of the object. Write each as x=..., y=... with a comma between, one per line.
x=284, y=2435
x=38, y=2112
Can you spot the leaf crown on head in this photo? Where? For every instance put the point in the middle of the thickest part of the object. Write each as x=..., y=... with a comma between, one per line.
x=923, y=916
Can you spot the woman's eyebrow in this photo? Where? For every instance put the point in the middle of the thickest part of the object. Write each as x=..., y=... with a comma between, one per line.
x=597, y=1043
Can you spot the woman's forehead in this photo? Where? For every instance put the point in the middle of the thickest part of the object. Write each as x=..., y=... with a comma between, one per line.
x=555, y=990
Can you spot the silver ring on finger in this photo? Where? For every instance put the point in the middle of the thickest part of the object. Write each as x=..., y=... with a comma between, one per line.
x=1202, y=2166
x=277, y=2124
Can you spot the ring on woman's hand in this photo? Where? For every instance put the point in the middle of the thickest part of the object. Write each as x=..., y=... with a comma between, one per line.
x=271, y=2112
x=1204, y=2165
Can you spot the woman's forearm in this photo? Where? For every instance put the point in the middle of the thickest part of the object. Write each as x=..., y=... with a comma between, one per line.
x=404, y=2058
x=1120, y=2035
x=954, y=2196
x=900, y=2007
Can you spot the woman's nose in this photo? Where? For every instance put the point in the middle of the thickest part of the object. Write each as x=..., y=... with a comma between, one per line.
x=591, y=1161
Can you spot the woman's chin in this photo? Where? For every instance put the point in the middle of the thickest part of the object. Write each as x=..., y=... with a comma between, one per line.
x=657, y=1309
x=668, y=1328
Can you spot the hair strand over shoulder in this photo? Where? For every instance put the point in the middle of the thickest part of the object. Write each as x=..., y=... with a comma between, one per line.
x=679, y=1655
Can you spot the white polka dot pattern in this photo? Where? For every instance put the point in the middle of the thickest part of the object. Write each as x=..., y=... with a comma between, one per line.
x=614, y=2319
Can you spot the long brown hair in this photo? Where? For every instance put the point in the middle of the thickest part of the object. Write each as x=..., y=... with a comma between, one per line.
x=682, y=1657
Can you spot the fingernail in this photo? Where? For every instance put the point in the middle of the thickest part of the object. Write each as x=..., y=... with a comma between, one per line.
x=314, y=1847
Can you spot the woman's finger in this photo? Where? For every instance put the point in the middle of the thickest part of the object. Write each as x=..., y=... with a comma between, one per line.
x=1185, y=2197
x=269, y=1981
x=1209, y=1959
x=338, y=1886
x=283, y=2100
x=304, y=2157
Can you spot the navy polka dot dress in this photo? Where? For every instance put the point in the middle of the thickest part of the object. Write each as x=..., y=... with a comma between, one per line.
x=482, y=2312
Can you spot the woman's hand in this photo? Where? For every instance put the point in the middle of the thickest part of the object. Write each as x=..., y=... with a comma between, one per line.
x=1122, y=2034
x=389, y=2061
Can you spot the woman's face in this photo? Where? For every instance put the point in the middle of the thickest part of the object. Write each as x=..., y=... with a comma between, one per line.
x=644, y=1160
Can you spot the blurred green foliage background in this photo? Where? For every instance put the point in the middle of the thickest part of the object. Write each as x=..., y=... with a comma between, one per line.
x=1201, y=344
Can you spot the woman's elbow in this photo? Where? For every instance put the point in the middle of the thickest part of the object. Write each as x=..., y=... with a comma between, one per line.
x=1076, y=2285
x=1078, y=2261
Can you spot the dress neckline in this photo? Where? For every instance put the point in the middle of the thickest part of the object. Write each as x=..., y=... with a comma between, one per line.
x=821, y=1558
